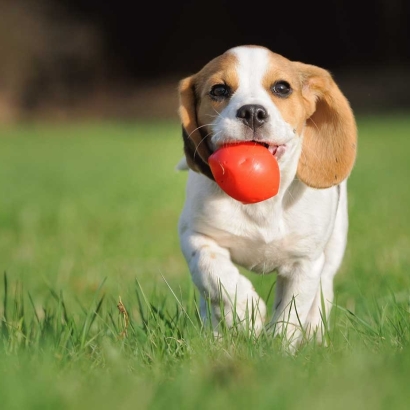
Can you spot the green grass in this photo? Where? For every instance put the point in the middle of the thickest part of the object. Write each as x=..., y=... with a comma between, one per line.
x=88, y=215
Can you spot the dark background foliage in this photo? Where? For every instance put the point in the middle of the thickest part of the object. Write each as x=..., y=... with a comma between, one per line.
x=70, y=58
x=152, y=39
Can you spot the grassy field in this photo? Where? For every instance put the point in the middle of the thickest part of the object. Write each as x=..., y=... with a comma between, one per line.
x=88, y=217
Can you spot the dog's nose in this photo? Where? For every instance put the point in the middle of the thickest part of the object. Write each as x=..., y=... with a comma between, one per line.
x=252, y=115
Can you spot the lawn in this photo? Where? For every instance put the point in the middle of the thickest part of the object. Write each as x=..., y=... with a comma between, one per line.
x=88, y=217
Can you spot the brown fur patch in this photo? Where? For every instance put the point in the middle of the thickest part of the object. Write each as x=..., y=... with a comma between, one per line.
x=318, y=109
x=221, y=70
x=291, y=108
x=197, y=109
x=330, y=136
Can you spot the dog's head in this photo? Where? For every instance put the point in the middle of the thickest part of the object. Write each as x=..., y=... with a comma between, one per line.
x=252, y=94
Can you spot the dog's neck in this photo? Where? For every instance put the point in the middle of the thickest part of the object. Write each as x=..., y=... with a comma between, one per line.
x=290, y=190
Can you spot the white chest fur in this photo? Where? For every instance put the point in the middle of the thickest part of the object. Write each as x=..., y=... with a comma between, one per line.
x=265, y=236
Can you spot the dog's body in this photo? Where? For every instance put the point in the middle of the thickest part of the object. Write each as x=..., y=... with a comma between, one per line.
x=300, y=115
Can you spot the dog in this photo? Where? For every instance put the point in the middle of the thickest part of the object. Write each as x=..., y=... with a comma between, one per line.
x=297, y=111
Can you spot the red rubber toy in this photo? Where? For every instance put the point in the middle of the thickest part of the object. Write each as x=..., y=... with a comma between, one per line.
x=246, y=171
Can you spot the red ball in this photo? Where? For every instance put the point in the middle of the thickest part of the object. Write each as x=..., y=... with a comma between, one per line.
x=246, y=171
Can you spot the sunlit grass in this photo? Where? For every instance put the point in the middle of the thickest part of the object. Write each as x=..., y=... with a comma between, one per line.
x=88, y=215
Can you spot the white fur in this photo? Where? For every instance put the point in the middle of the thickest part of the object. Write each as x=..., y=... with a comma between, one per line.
x=300, y=233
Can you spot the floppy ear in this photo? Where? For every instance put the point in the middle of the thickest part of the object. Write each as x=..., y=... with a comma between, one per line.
x=195, y=147
x=330, y=135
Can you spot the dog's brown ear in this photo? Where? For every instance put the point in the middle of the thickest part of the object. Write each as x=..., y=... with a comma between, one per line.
x=330, y=135
x=195, y=147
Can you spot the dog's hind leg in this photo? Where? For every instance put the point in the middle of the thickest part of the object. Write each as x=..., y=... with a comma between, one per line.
x=334, y=252
x=296, y=289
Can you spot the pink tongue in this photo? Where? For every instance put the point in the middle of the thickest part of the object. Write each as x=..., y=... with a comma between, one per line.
x=272, y=149
x=279, y=151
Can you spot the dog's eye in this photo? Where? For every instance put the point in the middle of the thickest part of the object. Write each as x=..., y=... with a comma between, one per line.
x=281, y=88
x=220, y=91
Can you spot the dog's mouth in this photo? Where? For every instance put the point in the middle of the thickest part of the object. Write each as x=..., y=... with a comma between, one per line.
x=271, y=148
x=275, y=150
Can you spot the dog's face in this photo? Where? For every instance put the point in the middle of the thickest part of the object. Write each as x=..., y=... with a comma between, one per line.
x=252, y=94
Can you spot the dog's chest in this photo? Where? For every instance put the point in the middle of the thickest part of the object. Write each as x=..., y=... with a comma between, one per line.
x=266, y=239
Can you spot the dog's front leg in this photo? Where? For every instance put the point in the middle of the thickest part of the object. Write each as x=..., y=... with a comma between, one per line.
x=233, y=300
x=296, y=288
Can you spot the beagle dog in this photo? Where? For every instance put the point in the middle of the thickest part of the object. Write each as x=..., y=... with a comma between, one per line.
x=298, y=112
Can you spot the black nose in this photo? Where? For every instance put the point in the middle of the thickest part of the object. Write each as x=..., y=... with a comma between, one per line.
x=252, y=115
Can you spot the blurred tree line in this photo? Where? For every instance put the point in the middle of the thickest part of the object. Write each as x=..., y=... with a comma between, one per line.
x=69, y=58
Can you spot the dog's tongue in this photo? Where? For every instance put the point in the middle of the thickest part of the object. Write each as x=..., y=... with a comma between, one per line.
x=272, y=149
x=276, y=150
